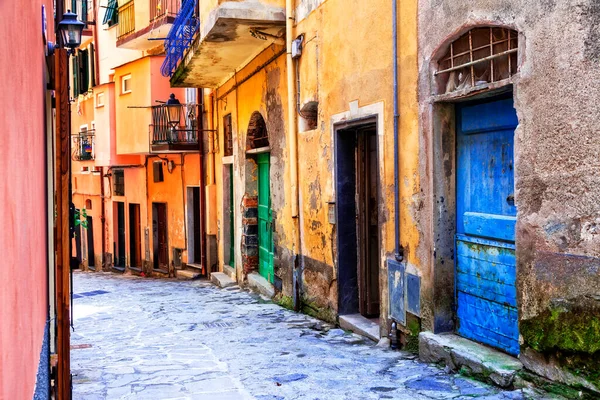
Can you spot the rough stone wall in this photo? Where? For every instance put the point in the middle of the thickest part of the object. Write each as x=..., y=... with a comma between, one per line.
x=557, y=149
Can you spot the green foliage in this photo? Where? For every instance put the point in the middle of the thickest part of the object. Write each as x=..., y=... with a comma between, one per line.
x=81, y=218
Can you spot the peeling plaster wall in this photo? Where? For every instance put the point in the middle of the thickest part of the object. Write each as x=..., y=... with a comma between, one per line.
x=340, y=66
x=557, y=148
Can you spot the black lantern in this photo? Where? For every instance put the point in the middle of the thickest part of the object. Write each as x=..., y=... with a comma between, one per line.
x=173, y=110
x=70, y=30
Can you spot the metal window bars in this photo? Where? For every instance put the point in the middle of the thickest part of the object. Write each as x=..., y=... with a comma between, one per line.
x=482, y=55
x=180, y=37
x=162, y=8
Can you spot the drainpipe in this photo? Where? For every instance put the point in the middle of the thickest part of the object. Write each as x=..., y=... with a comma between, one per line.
x=96, y=44
x=399, y=251
x=102, y=217
x=201, y=124
x=293, y=147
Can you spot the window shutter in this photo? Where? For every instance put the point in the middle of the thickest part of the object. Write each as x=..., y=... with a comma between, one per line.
x=111, y=10
x=75, y=76
x=92, y=53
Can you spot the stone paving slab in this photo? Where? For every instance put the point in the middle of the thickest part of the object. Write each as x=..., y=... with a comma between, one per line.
x=171, y=339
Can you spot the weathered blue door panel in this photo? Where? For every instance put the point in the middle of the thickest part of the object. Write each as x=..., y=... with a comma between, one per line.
x=486, y=216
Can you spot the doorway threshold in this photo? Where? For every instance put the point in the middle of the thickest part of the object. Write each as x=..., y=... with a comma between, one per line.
x=361, y=325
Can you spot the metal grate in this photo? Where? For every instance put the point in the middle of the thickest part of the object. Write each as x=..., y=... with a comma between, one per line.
x=119, y=182
x=181, y=36
x=481, y=56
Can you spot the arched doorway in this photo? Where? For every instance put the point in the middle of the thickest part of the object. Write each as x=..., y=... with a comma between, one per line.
x=258, y=155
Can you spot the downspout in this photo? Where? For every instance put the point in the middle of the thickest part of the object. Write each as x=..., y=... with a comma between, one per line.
x=202, y=179
x=293, y=155
x=102, y=217
x=96, y=43
x=399, y=251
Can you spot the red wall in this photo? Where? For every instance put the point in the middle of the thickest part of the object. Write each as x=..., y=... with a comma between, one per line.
x=23, y=264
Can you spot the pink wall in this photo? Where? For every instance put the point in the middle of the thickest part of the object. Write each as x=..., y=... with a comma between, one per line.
x=23, y=264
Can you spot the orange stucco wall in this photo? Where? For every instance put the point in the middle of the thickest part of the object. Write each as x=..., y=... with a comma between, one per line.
x=133, y=115
x=23, y=269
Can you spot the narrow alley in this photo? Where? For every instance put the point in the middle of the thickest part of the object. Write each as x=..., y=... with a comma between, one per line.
x=148, y=339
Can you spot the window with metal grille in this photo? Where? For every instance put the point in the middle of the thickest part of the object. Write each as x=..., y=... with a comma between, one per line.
x=479, y=57
x=228, y=135
x=158, y=171
x=119, y=182
x=257, y=132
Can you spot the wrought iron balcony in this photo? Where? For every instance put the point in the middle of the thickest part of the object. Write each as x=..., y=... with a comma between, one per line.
x=83, y=146
x=181, y=36
x=126, y=19
x=232, y=33
x=164, y=8
x=174, y=136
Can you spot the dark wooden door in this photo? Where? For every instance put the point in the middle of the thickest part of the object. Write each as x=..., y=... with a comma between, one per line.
x=90, y=243
x=197, y=222
x=160, y=227
x=367, y=222
x=135, y=236
x=121, y=254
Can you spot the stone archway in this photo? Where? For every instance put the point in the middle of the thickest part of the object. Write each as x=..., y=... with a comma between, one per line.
x=257, y=196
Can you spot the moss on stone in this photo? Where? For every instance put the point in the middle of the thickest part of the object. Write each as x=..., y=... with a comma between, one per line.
x=316, y=311
x=284, y=301
x=572, y=327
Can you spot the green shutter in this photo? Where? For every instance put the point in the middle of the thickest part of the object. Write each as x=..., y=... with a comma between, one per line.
x=111, y=10
x=75, y=77
x=92, y=53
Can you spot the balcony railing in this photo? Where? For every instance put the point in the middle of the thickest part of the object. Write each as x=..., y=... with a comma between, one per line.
x=83, y=146
x=164, y=8
x=175, y=136
x=181, y=36
x=126, y=19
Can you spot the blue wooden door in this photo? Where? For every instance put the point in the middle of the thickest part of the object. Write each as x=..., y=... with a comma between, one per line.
x=486, y=215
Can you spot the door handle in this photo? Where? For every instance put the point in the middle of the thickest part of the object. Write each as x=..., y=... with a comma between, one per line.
x=511, y=199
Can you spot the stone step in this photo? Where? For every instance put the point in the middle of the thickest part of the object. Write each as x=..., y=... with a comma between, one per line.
x=473, y=358
x=222, y=280
x=230, y=271
x=261, y=285
x=360, y=325
x=186, y=274
x=194, y=267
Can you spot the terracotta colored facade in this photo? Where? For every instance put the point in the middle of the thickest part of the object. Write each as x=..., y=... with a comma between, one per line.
x=25, y=199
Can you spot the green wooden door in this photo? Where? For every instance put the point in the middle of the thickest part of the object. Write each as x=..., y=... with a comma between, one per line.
x=265, y=219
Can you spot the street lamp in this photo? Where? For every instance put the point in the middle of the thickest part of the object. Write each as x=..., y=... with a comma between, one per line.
x=173, y=114
x=70, y=31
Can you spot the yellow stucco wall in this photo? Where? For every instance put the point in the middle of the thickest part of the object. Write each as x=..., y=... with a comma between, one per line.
x=346, y=67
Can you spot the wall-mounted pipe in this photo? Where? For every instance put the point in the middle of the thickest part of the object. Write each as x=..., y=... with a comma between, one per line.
x=399, y=250
x=293, y=155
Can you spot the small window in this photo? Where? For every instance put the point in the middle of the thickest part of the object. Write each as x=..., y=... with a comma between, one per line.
x=228, y=135
x=100, y=99
x=88, y=204
x=158, y=171
x=119, y=182
x=126, y=84
x=479, y=57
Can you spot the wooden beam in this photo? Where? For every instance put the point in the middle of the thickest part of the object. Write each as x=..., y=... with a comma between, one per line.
x=63, y=236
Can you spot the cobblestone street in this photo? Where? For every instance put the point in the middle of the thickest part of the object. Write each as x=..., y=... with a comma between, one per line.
x=151, y=339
